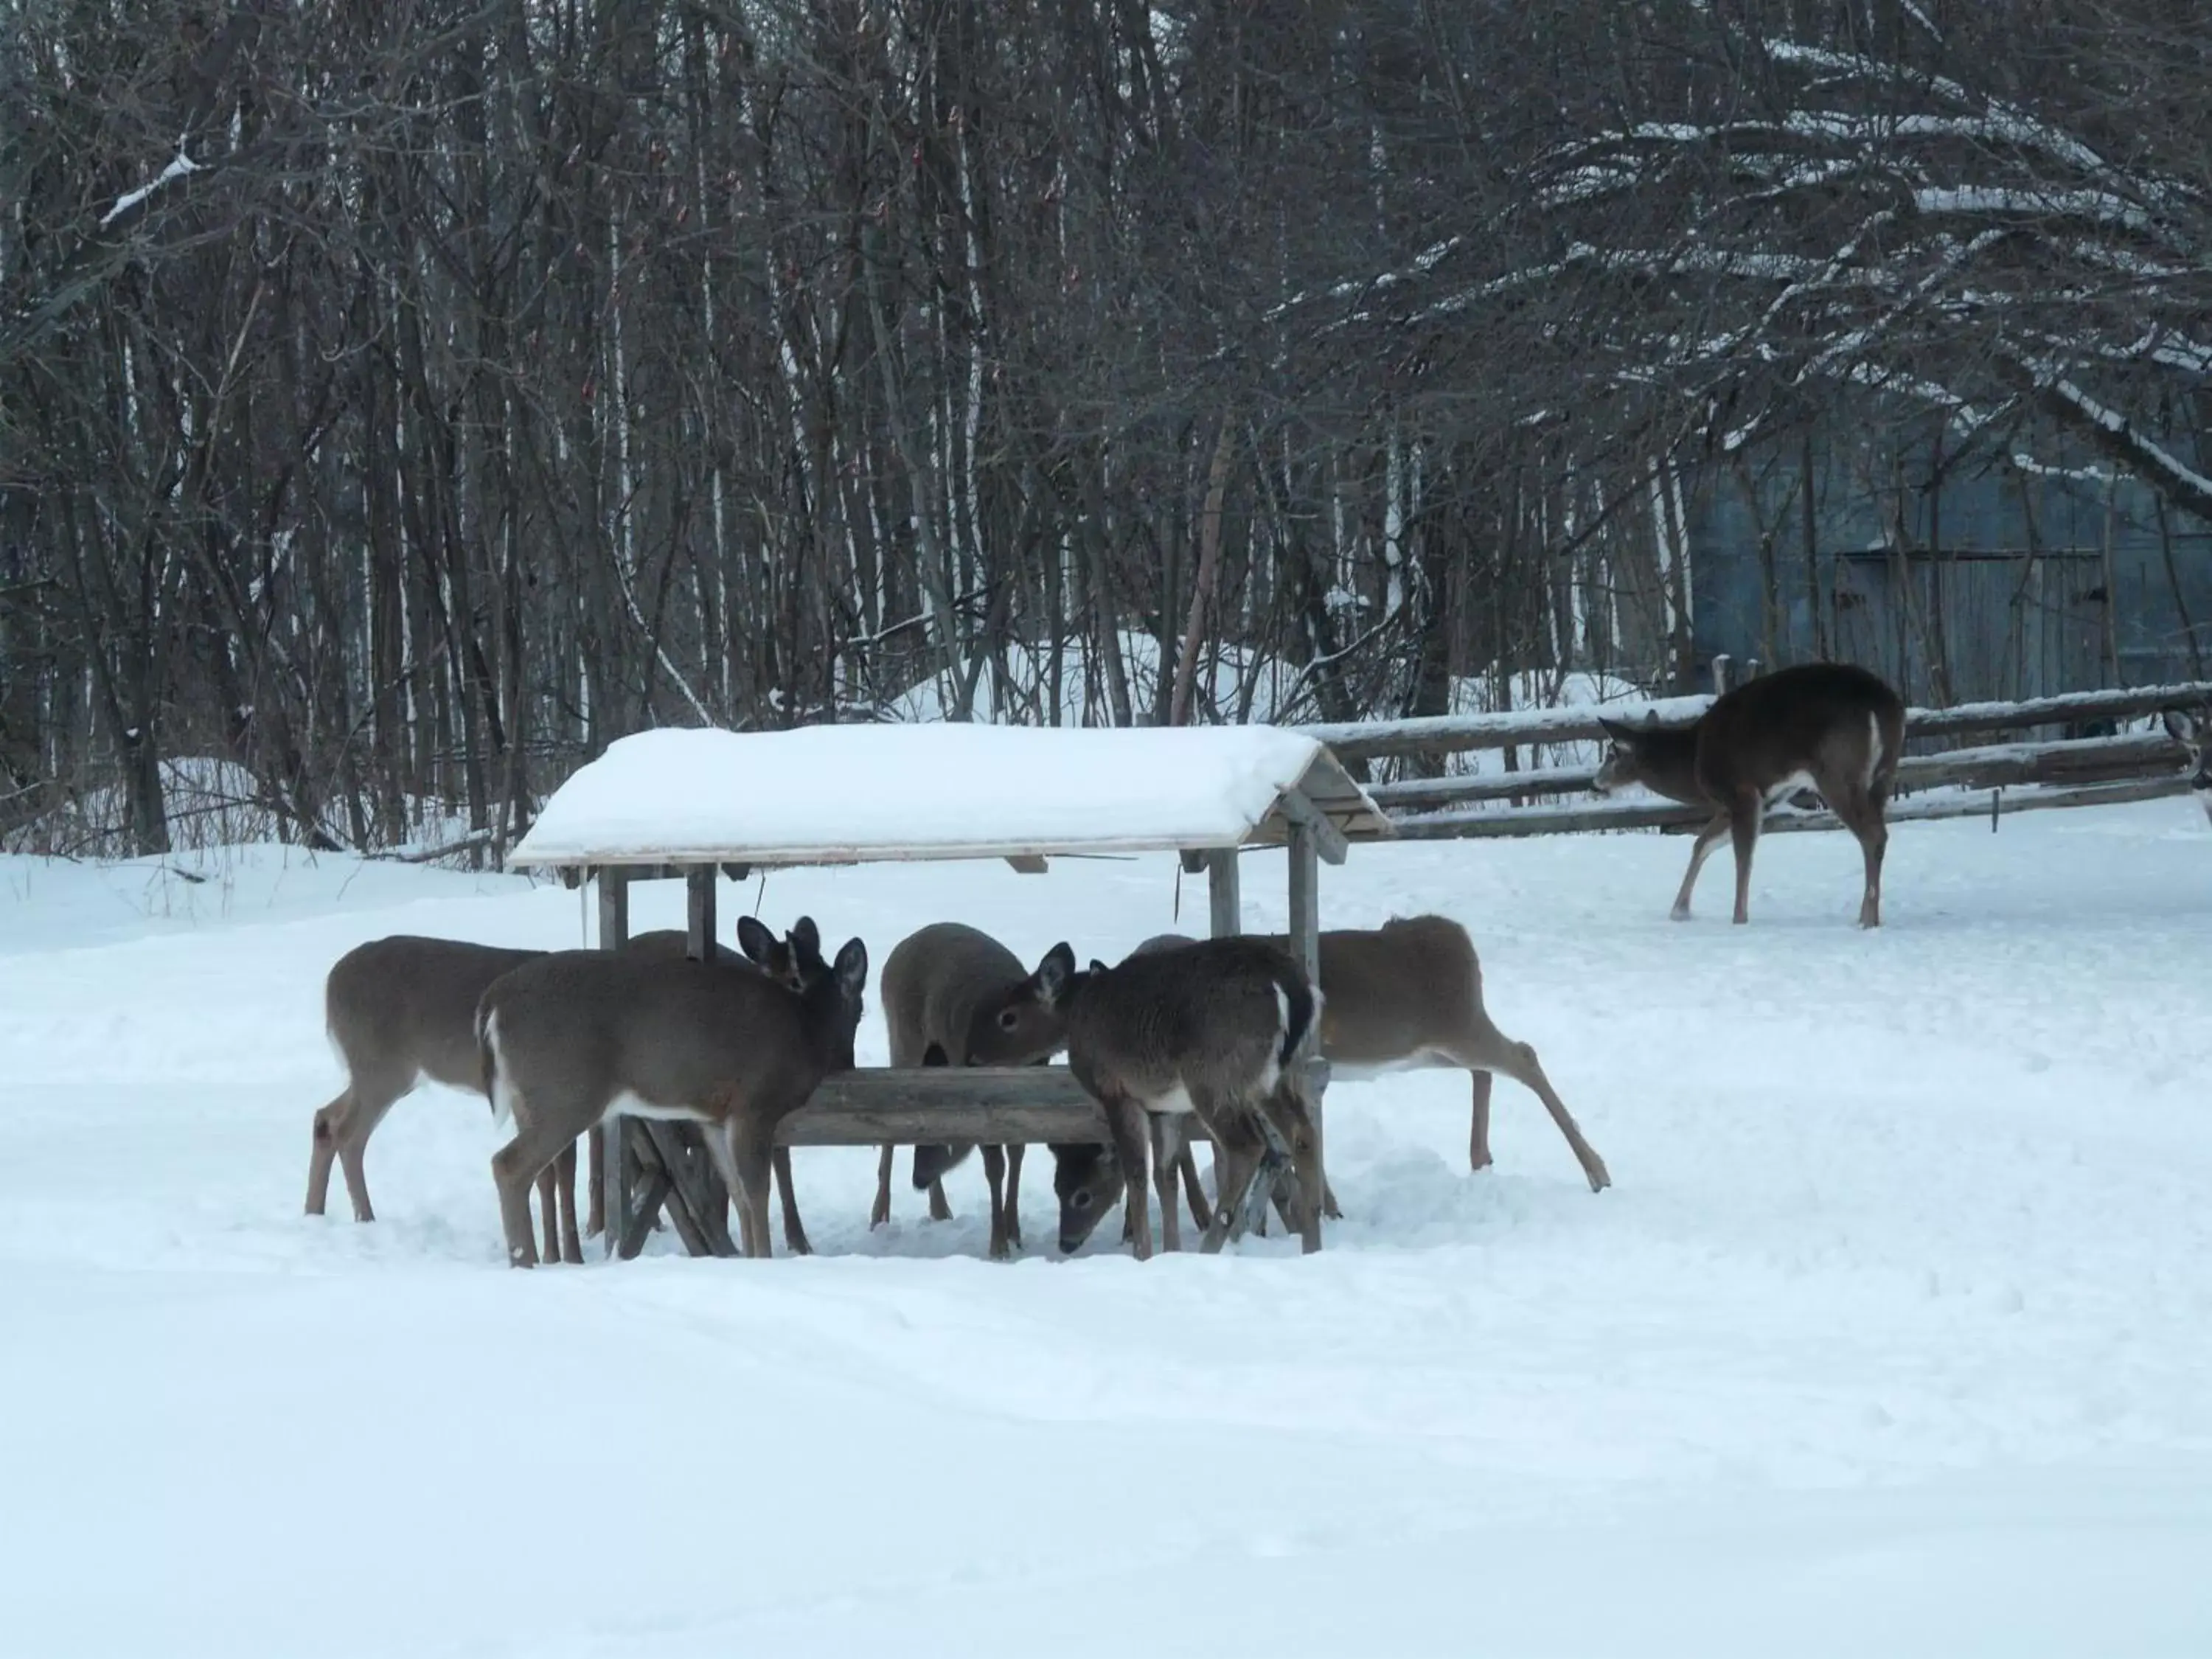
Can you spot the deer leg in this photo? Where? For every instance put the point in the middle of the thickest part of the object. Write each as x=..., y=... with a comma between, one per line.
x=515, y=1168
x=322, y=1151
x=1745, y=812
x=595, y=1202
x=1201, y=1214
x=571, y=1246
x=365, y=1102
x=1708, y=838
x=1286, y=1109
x=1014, y=1195
x=1490, y=1050
x=1166, y=1149
x=1478, y=1144
x=746, y=1158
x=794, y=1230
x=994, y=1173
x=1863, y=816
x=549, y=1212
x=1126, y=1119
x=939, y=1209
x=882, y=1212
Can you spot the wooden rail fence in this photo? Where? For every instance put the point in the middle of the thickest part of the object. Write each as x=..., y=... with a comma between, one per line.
x=2022, y=774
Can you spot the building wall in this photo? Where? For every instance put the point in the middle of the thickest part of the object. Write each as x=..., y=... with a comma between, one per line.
x=1959, y=580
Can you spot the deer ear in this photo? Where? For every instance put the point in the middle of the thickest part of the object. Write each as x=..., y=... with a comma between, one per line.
x=2180, y=725
x=853, y=970
x=804, y=936
x=756, y=939
x=1054, y=972
x=1613, y=729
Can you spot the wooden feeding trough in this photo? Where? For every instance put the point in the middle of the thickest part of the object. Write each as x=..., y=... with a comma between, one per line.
x=697, y=804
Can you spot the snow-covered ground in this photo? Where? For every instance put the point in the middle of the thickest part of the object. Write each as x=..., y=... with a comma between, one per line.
x=1894, y=1334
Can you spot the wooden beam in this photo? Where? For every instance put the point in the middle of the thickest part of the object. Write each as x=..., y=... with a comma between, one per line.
x=1666, y=815
x=2073, y=760
x=1327, y=840
x=616, y=1198
x=1225, y=897
x=912, y=1106
x=1305, y=945
x=628, y=1239
x=663, y=1157
x=1305, y=900
x=699, y=914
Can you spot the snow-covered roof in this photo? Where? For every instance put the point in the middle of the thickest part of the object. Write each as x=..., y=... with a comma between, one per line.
x=840, y=794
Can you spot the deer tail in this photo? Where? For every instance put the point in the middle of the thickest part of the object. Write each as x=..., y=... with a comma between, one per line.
x=488, y=1054
x=1297, y=1001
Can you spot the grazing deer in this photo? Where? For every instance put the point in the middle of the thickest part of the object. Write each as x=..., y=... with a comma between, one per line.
x=1829, y=723
x=940, y=987
x=403, y=1009
x=579, y=1036
x=778, y=959
x=2193, y=734
x=1210, y=1028
x=1407, y=995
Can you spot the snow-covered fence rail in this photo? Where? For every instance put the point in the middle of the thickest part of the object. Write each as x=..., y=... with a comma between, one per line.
x=2062, y=772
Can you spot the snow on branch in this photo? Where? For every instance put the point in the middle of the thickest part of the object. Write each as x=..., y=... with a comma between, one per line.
x=180, y=165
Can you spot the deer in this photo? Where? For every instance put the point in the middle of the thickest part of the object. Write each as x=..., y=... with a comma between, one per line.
x=2194, y=734
x=1405, y=996
x=401, y=1010
x=778, y=959
x=1022, y=1032
x=935, y=985
x=578, y=1038
x=1832, y=725
x=1211, y=1028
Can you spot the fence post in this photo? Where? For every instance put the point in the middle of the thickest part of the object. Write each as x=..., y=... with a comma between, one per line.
x=1720, y=672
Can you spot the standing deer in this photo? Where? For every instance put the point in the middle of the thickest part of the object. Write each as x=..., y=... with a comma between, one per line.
x=1211, y=1028
x=579, y=1036
x=936, y=984
x=1829, y=723
x=1404, y=996
x=2192, y=733
x=403, y=1009
x=778, y=959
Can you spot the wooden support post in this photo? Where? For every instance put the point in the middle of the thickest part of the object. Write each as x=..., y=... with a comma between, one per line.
x=1720, y=672
x=699, y=934
x=1224, y=898
x=1305, y=900
x=696, y=1183
x=1305, y=945
x=612, y=1197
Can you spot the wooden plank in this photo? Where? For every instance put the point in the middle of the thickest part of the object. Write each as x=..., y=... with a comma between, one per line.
x=1224, y=896
x=1305, y=901
x=616, y=1214
x=1329, y=841
x=638, y=1222
x=699, y=914
x=1657, y=815
x=663, y=1156
x=1305, y=944
x=995, y=1105
x=2077, y=760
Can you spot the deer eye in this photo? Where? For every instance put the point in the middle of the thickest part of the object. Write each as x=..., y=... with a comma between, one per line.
x=1083, y=1199
x=1008, y=1019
